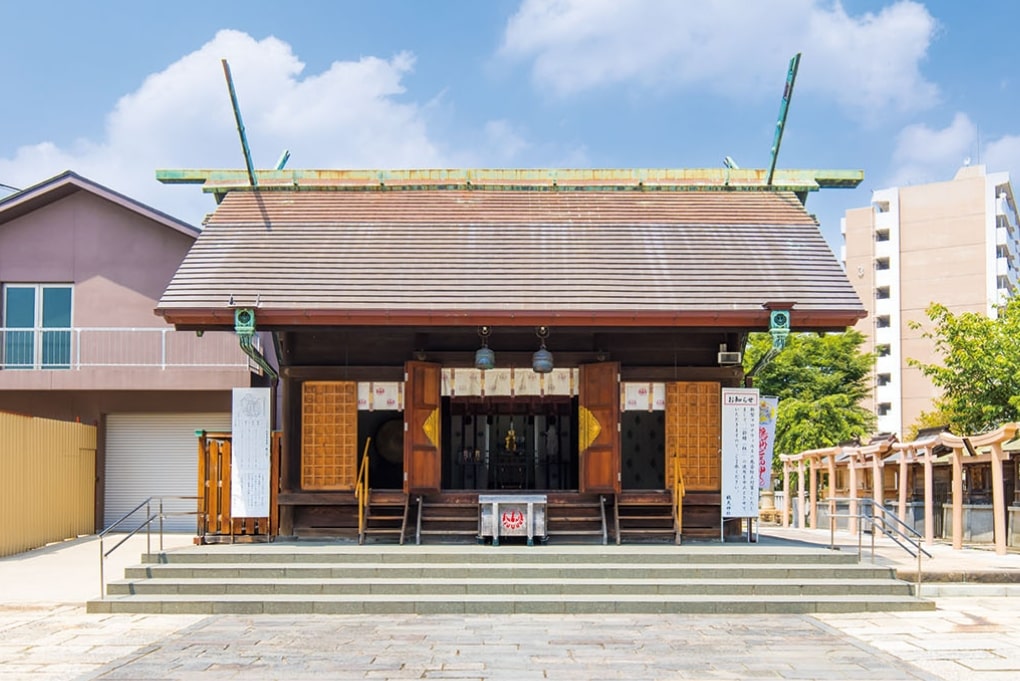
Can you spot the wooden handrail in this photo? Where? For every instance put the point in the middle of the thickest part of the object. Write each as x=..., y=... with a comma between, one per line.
x=361, y=490
x=679, y=490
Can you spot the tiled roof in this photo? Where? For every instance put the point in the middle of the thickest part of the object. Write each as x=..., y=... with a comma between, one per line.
x=672, y=254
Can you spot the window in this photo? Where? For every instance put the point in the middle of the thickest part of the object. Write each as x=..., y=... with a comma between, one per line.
x=882, y=292
x=884, y=408
x=884, y=379
x=882, y=235
x=882, y=264
x=882, y=322
x=883, y=350
x=36, y=326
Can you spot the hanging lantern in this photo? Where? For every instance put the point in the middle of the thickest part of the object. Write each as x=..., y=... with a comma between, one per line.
x=542, y=360
x=485, y=358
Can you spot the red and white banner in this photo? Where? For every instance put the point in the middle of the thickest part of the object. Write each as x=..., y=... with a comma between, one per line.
x=767, y=410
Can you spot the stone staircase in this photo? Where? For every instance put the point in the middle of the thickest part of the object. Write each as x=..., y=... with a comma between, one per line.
x=332, y=578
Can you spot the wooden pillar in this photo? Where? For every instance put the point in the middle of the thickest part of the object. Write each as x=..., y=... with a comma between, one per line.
x=832, y=476
x=902, y=486
x=800, y=494
x=289, y=451
x=877, y=489
x=998, y=500
x=813, y=491
x=832, y=489
x=929, y=497
x=957, y=498
x=852, y=469
x=786, y=493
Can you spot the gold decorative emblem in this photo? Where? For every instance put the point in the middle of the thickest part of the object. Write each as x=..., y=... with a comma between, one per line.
x=431, y=428
x=588, y=428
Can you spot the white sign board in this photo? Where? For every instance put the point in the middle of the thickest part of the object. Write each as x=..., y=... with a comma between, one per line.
x=740, y=452
x=249, y=453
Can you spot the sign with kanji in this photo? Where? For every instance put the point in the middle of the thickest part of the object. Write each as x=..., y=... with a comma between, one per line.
x=740, y=452
x=249, y=450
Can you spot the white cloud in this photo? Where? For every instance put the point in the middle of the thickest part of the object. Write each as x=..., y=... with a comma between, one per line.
x=868, y=64
x=348, y=116
x=1004, y=154
x=924, y=154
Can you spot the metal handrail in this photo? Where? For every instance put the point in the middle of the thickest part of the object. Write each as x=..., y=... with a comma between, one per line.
x=679, y=492
x=910, y=544
x=605, y=530
x=361, y=491
x=146, y=524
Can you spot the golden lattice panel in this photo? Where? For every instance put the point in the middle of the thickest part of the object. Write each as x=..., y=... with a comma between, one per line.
x=693, y=427
x=329, y=435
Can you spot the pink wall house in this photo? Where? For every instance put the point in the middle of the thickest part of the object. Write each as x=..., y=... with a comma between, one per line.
x=81, y=270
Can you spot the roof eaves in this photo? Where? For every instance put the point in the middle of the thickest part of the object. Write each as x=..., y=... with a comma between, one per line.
x=67, y=183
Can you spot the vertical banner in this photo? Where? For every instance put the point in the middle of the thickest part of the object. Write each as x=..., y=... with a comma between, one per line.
x=740, y=452
x=249, y=447
x=767, y=410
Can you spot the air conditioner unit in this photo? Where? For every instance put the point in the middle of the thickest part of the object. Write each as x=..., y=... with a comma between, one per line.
x=730, y=358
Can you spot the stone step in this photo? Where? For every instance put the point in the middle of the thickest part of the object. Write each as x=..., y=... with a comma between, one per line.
x=509, y=572
x=341, y=578
x=350, y=553
x=500, y=604
x=457, y=587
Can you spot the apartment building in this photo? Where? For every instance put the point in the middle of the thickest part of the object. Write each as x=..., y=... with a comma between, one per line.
x=953, y=242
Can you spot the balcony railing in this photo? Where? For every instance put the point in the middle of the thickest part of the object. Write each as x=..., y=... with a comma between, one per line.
x=79, y=348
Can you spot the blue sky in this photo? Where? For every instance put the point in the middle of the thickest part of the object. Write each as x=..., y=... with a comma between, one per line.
x=903, y=90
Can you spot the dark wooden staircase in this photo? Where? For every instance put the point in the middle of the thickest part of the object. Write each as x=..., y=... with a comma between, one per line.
x=645, y=516
x=385, y=515
x=447, y=518
x=702, y=515
x=576, y=518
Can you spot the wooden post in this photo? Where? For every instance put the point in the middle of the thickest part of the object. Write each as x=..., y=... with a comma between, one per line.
x=929, y=496
x=877, y=491
x=203, y=484
x=786, y=493
x=813, y=480
x=800, y=494
x=852, y=467
x=957, y=498
x=998, y=500
x=902, y=486
x=832, y=487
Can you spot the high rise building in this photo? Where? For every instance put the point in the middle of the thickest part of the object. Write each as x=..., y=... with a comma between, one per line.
x=954, y=243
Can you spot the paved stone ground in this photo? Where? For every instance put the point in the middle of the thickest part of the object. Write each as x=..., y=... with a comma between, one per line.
x=69, y=644
x=45, y=633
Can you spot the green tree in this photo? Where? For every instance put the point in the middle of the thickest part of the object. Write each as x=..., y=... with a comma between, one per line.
x=979, y=375
x=820, y=381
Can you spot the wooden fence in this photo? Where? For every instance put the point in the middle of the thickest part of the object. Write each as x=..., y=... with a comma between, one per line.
x=47, y=481
x=215, y=522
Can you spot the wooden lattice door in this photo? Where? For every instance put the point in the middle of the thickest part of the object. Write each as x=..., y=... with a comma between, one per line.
x=329, y=435
x=598, y=427
x=423, y=463
x=694, y=432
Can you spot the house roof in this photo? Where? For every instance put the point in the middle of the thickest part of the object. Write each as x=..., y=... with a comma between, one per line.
x=435, y=256
x=69, y=182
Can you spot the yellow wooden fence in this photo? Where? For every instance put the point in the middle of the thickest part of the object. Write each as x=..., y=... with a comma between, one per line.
x=47, y=481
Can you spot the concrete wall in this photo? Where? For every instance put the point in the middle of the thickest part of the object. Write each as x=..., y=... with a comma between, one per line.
x=118, y=261
x=943, y=247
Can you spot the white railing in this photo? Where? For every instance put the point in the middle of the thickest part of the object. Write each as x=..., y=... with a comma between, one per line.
x=1005, y=209
x=80, y=347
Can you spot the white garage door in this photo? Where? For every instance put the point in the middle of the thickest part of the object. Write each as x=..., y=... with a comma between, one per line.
x=151, y=455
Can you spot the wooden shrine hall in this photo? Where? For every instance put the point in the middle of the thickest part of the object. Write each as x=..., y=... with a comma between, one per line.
x=448, y=339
